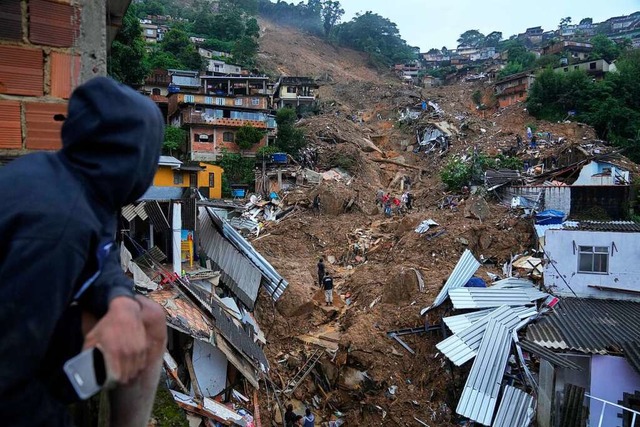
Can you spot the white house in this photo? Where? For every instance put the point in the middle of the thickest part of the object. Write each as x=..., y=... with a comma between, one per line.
x=602, y=173
x=218, y=67
x=592, y=259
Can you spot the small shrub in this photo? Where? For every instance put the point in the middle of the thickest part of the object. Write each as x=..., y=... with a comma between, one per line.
x=456, y=174
x=477, y=97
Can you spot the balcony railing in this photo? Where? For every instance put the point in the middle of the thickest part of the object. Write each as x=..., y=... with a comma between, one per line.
x=604, y=406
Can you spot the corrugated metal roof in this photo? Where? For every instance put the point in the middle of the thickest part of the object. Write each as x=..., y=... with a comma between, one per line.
x=185, y=81
x=632, y=353
x=169, y=161
x=588, y=325
x=463, y=298
x=129, y=212
x=10, y=128
x=272, y=281
x=142, y=213
x=157, y=216
x=548, y=355
x=465, y=268
x=53, y=24
x=21, y=71
x=462, y=347
x=512, y=282
x=188, y=214
x=480, y=394
x=462, y=321
x=43, y=132
x=516, y=409
x=237, y=271
x=162, y=193
x=620, y=226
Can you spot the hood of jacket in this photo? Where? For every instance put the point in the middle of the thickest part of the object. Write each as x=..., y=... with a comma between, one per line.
x=112, y=137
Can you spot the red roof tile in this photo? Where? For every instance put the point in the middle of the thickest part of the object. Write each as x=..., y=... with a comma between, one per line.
x=21, y=71
x=10, y=129
x=11, y=20
x=43, y=133
x=53, y=24
x=65, y=73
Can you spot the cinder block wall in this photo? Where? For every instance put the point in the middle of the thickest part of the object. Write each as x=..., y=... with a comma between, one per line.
x=41, y=46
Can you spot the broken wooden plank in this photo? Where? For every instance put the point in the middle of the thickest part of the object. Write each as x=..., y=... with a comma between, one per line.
x=404, y=165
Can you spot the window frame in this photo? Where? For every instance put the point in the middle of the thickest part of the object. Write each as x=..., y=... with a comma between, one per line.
x=178, y=177
x=212, y=179
x=226, y=139
x=597, y=254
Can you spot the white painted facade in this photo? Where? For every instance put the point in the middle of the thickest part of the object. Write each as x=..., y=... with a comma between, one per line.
x=602, y=173
x=621, y=264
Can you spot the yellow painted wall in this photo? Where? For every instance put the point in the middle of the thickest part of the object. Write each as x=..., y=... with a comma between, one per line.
x=215, y=192
x=164, y=178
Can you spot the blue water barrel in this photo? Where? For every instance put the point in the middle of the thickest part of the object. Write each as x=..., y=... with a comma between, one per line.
x=279, y=158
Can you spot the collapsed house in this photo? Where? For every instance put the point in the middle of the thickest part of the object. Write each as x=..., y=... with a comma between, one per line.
x=215, y=350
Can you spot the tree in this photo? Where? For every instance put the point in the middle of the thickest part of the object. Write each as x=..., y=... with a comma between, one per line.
x=127, y=60
x=152, y=8
x=247, y=136
x=492, y=39
x=177, y=44
x=290, y=139
x=586, y=21
x=331, y=14
x=174, y=138
x=471, y=38
x=604, y=48
x=433, y=51
x=237, y=170
x=520, y=59
x=564, y=22
x=252, y=29
x=244, y=51
x=377, y=36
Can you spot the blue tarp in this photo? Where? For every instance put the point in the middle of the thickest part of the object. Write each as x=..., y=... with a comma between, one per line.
x=549, y=217
x=475, y=282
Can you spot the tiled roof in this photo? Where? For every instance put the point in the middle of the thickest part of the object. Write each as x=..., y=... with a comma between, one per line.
x=588, y=325
x=621, y=226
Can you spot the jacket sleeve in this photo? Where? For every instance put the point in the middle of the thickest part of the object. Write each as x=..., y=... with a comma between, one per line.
x=37, y=279
x=111, y=283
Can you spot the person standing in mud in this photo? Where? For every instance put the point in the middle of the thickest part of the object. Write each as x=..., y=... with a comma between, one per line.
x=327, y=284
x=316, y=204
x=321, y=271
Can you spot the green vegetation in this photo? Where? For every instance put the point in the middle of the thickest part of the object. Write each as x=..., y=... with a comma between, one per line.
x=290, y=139
x=456, y=174
x=611, y=106
x=126, y=61
x=174, y=138
x=520, y=59
x=247, y=136
x=477, y=97
x=344, y=161
x=237, y=170
x=177, y=50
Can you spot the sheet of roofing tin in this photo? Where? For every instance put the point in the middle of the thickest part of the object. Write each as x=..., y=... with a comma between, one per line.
x=272, y=281
x=462, y=321
x=548, y=355
x=620, y=226
x=141, y=212
x=460, y=348
x=129, y=212
x=477, y=298
x=480, y=394
x=632, y=353
x=588, y=325
x=517, y=408
x=162, y=193
x=237, y=272
x=157, y=216
x=511, y=283
x=463, y=271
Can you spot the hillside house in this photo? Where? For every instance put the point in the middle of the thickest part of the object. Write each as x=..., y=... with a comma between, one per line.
x=596, y=69
x=185, y=81
x=569, y=49
x=45, y=53
x=149, y=31
x=514, y=88
x=217, y=67
x=206, y=178
x=623, y=23
x=295, y=92
x=577, y=30
x=209, y=53
x=532, y=36
x=213, y=118
x=156, y=86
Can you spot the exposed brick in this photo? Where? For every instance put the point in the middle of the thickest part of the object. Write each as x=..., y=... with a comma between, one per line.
x=10, y=129
x=10, y=20
x=65, y=74
x=43, y=133
x=21, y=71
x=52, y=23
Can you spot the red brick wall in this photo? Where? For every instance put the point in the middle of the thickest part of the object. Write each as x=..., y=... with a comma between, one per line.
x=39, y=68
x=220, y=145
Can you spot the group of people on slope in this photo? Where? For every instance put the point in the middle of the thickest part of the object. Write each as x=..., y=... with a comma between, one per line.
x=291, y=419
x=393, y=204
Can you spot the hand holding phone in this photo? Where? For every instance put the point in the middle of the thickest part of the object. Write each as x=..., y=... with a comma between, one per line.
x=88, y=373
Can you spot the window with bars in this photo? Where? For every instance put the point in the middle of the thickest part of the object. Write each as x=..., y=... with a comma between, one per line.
x=212, y=180
x=593, y=259
x=178, y=178
x=228, y=137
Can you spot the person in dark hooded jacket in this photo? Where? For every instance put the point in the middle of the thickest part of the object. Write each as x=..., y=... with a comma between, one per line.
x=61, y=283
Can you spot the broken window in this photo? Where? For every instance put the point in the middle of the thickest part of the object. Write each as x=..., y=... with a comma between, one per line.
x=291, y=89
x=593, y=259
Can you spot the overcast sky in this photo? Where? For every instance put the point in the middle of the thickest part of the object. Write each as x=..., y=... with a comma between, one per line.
x=429, y=23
